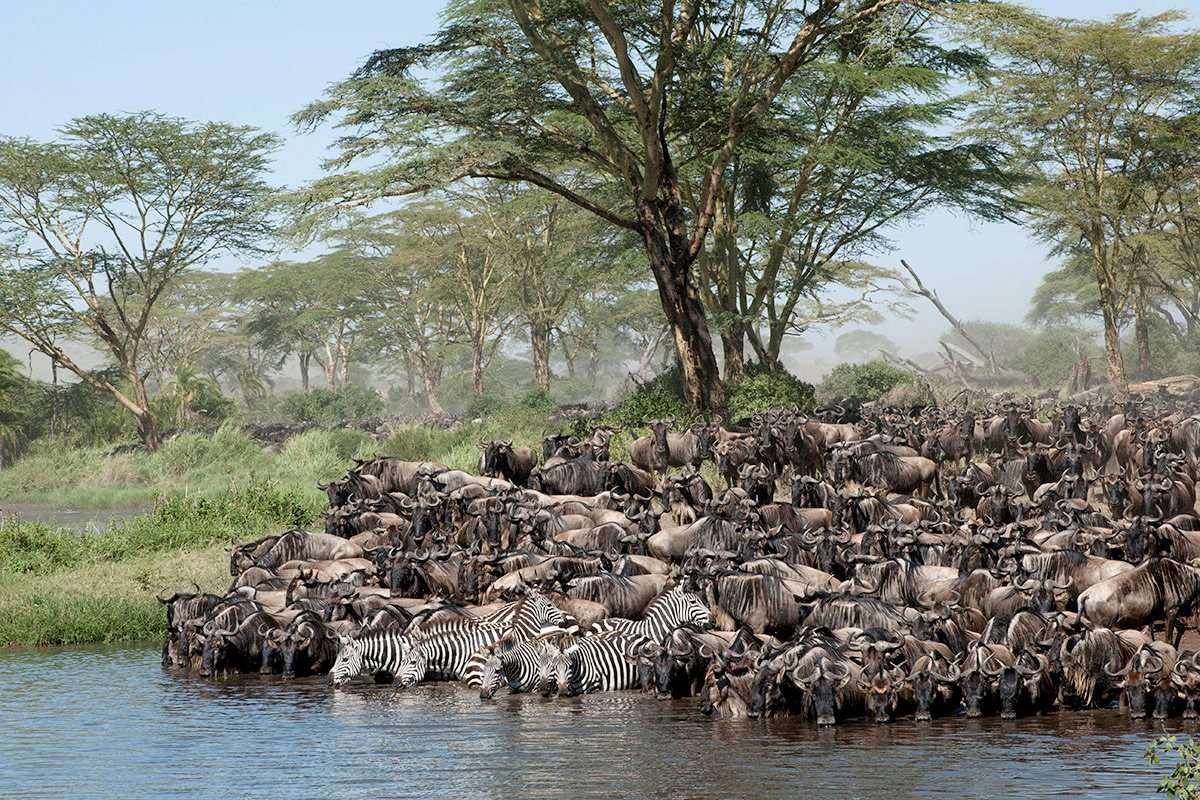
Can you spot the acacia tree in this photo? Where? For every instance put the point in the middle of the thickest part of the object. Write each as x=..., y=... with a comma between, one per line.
x=849, y=151
x=558, y=255
x=104, y=221
x=1081, y=104
x=313, y=308
x=410, y=322
x=528, y=89
x=192, y=324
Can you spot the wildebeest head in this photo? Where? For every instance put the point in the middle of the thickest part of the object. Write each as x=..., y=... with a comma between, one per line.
x=1185, y=680
x=1139, y=680
x=1043, y=594
x=407, y=576
x=926, y=682
x=300, y=643
x=658, y=433
x=824, y=685
x=880, y=691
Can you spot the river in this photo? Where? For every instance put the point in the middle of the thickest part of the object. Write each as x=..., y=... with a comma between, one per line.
x=106, y=722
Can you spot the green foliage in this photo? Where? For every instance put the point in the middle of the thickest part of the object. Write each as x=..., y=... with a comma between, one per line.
x=327, y=406
x=1183, y=782
x=659, y=398
x=869, y=381
x=1050, y=356
x=760, y=390
x=177, y=521
x=538, y=399
x=22, y=409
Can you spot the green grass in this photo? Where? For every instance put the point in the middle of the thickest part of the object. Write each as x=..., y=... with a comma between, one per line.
x=59, y=586
x=111, y=601
x=63, y=587
x=215, y=463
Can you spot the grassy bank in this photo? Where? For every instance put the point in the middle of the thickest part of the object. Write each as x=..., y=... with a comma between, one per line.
x=62, y=587
x=58, y=586
x=210, y=464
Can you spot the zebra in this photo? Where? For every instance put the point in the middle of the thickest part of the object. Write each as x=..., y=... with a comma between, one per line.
x=378, y=652
x=445, y=655
x=599, y=663
x=526, y=617
x=517, y=665
x=664, y=614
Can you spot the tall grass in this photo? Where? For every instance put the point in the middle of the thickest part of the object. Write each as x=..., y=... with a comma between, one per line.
x=62, y=587
x=176, y=522
x=111, y=601
x=202, y=491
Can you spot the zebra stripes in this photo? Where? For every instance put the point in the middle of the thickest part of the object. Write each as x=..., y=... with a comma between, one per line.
x=664, y=614
x=371, y=651
x=599, y=663
x=519, y=666
x=444, y=656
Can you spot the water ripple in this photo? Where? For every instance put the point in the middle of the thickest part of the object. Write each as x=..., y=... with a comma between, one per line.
x=108, y=722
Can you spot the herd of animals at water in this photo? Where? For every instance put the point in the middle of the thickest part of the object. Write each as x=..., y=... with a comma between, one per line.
x=1007, y=559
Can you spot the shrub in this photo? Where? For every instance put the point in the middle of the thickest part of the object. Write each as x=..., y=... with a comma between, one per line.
x=327, y=406
x=658, y=398
x=868, y=381
x=1050, y=357
x=760, y=390
x=1183, y=781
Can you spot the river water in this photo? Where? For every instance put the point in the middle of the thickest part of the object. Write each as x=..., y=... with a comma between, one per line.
x=108, y=722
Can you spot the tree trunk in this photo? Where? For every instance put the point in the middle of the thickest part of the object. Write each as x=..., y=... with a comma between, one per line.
x=343, y=362
x=147, y=429
x=1141, y=333
x=698, y=369
x=305, y=359
x=1112, y=354
x=539, y=339
x=733, y=341
x=477, y=366
x=1117, y=379
x=429, y=385
x=329, y=365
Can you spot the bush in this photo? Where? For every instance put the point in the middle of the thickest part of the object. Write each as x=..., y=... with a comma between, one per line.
x=658, y=398
x=327, y=406
x=177, y=521
x=1183, y=781
x=868, y=381
x=761, y=390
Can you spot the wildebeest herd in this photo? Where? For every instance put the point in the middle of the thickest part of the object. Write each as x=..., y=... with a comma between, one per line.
x=1004, y=559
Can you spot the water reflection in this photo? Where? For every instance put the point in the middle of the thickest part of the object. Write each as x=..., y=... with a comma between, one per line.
x=106, y=722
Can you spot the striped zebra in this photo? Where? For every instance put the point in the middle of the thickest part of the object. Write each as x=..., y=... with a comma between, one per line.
x=599, y=663
x=519, y=666
x=526, y=617
x=664, y=614
x=444, y=656
x=370, y=651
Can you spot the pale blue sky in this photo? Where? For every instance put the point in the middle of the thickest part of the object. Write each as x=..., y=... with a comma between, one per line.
x=258, y=62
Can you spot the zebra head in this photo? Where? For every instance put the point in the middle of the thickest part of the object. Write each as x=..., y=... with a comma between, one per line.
x=562, y=666
x=349, y=661
x=413, y=667
x=693, y=610
x=492, y=675
x=536, y=614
